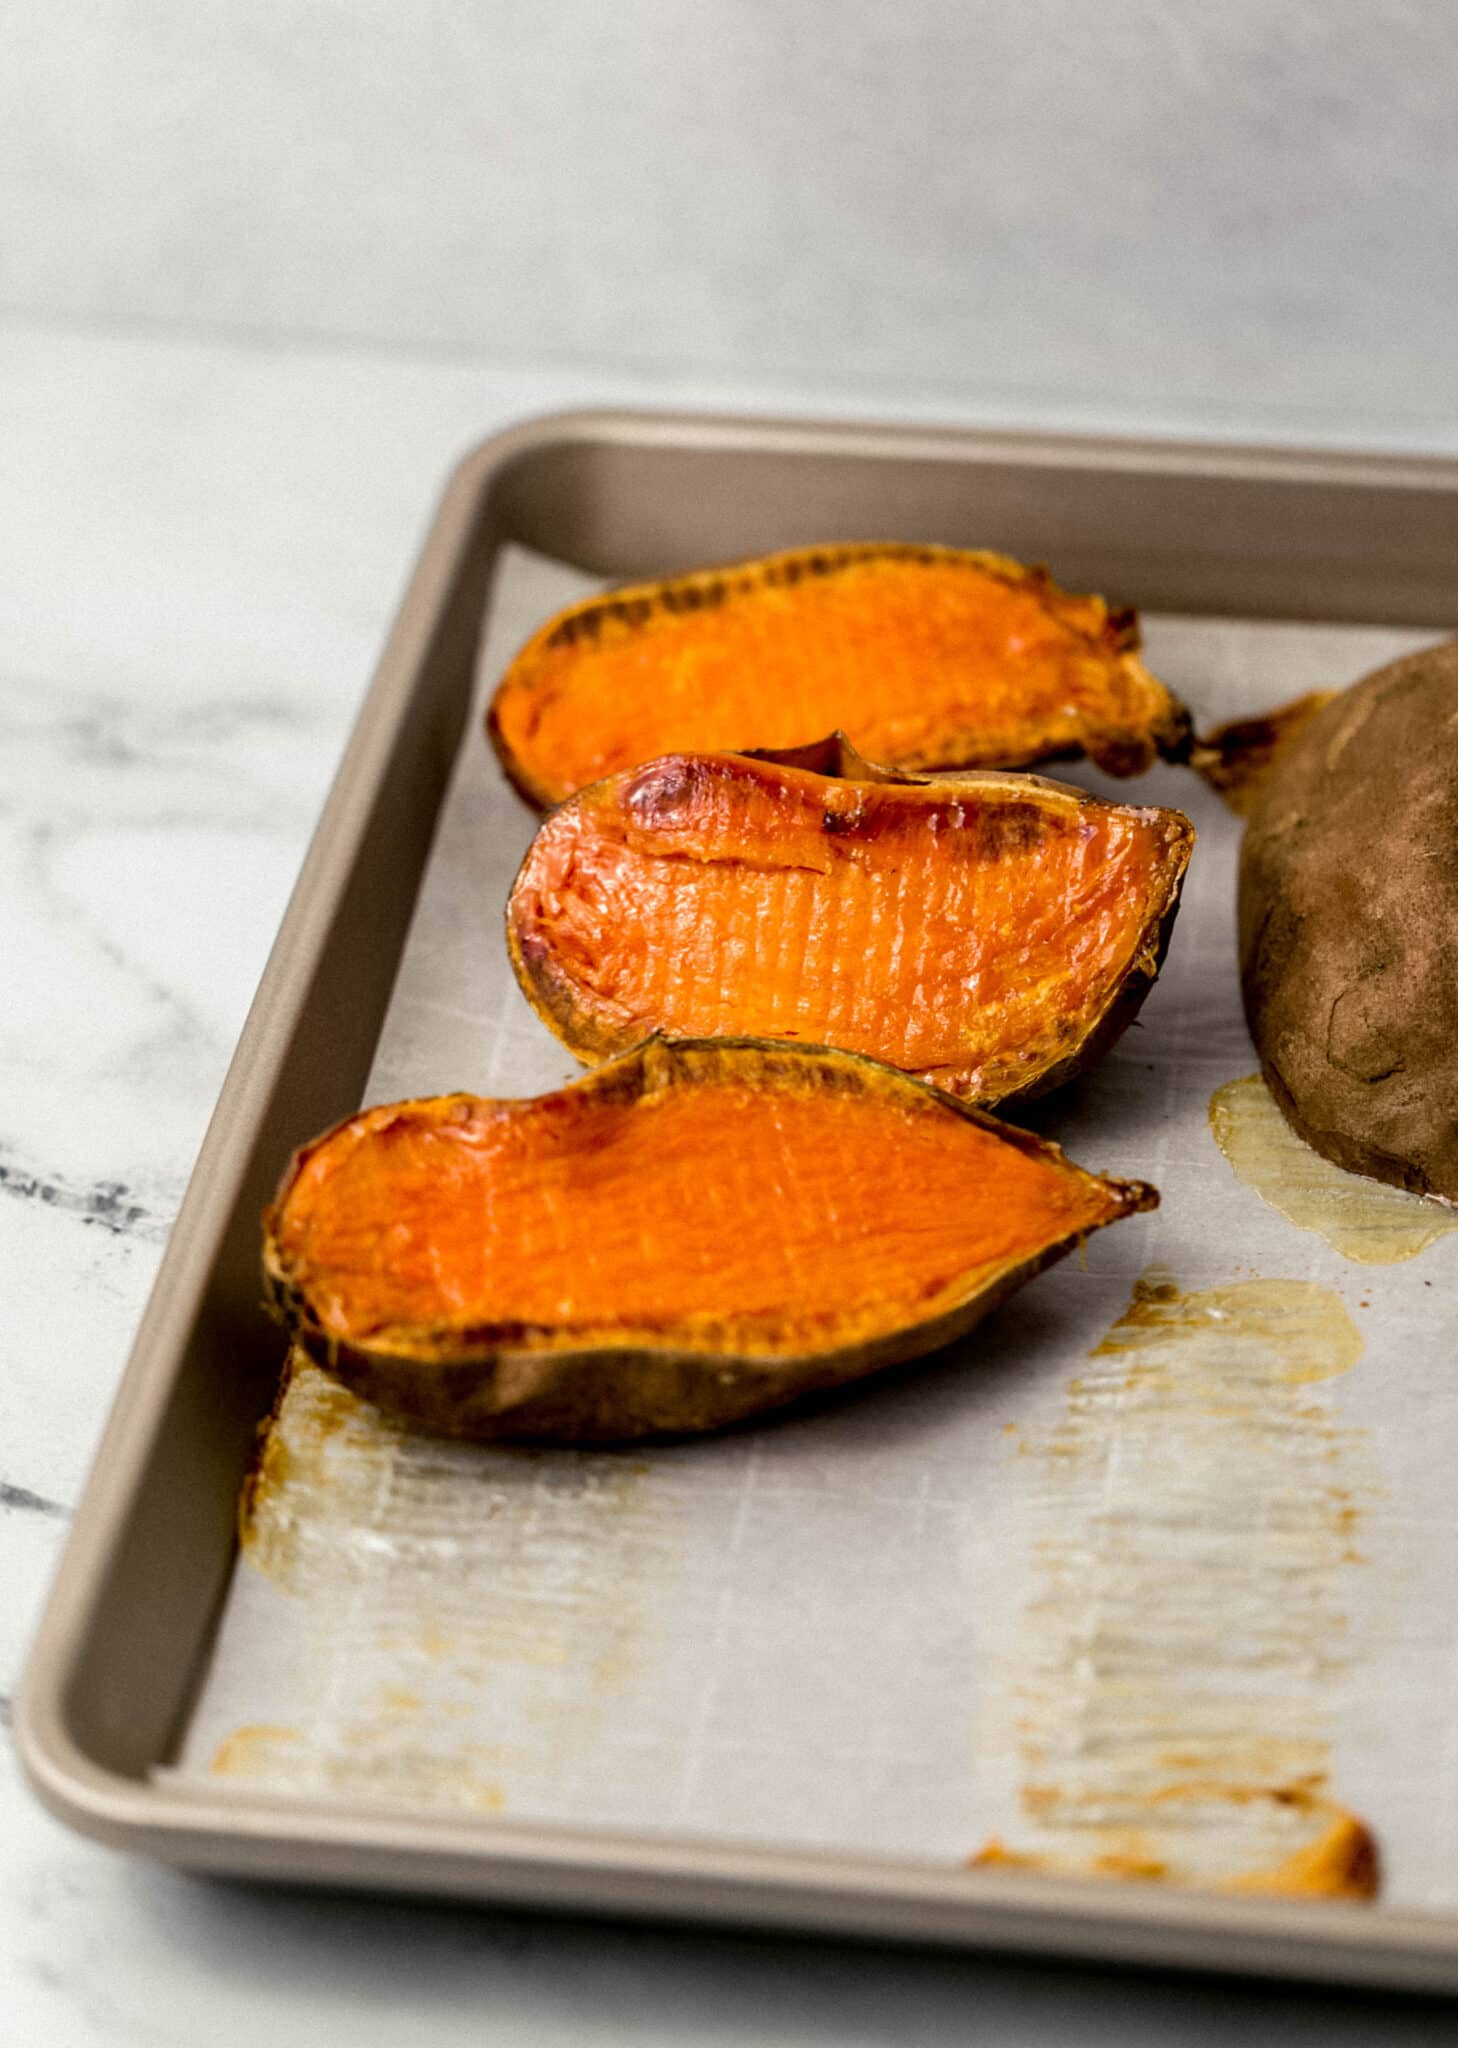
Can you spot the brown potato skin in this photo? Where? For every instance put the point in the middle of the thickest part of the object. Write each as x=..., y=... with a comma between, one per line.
x=1348, y=911
x=610, y=1395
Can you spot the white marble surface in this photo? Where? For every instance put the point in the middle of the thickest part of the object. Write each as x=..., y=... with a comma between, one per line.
x=201, y=547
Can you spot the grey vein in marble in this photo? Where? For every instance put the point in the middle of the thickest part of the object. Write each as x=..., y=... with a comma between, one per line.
x=21, y=1499
x=107, y=1204
x=149, y=851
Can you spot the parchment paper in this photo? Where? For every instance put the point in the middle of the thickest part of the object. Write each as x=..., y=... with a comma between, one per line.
x=837, y=1629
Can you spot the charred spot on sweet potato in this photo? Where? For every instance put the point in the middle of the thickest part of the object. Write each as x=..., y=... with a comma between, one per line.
x=929, y=657
x=992, y=932
x=698, y=1232
x=663, y=789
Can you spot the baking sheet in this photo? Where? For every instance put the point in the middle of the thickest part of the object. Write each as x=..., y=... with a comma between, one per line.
x=1021, y=1592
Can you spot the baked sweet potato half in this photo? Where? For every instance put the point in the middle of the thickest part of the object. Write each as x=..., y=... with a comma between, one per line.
x=928, y=657
x=1348, y=910
x=696, y=1233
x=992, y=933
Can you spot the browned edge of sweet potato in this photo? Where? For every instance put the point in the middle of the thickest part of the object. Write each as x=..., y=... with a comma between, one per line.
x=1169, y=737
x=511, y=1381
x=836, y=757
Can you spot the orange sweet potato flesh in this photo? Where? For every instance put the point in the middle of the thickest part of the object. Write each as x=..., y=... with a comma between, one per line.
x=696, y=1233
x=926, y=657
x=990, y=932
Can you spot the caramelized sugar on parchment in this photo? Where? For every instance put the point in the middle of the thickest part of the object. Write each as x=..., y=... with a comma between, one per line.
x=992, y=933
x=1334, y=1857
x=1366, y=1220
x=462, y=1615
x=1171, y=1692
x=927, y=657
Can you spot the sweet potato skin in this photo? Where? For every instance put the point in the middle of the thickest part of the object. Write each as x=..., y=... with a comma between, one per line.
x=1348, y=904
x=930, y=657
x=491, y=1377
x=992, y=933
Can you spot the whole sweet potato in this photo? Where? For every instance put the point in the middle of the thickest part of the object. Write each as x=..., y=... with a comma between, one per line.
x=1349, y=926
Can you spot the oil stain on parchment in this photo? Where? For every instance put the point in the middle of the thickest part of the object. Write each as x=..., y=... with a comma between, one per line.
x=1365, y=1220
x=468, y=1610
x=1195, y=1516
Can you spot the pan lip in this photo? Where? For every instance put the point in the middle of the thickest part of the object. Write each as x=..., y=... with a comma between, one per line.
x=251, y=1833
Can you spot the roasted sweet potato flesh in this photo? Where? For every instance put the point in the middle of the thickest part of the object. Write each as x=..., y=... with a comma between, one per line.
x=988, y=932
x=691, y=1234
x=927, y=657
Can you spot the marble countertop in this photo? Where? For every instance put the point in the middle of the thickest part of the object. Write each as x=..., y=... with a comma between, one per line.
x=203, y=544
